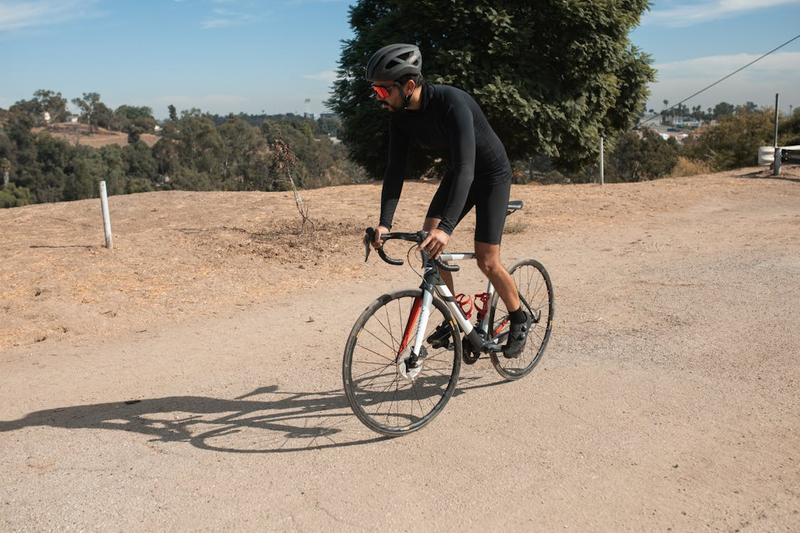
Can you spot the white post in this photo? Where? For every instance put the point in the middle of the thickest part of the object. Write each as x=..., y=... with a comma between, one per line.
x=106, y=217
x=602, y=176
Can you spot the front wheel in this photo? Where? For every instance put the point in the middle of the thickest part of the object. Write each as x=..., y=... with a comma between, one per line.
x=536, y=294
x=390, y=389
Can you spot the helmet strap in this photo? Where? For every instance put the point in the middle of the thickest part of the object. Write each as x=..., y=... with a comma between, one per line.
x=406, y=97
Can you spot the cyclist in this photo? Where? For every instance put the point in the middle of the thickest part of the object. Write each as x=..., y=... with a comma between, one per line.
x=449, y=120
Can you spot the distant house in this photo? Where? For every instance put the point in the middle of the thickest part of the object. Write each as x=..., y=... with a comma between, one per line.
x=46, y=117
x=73, y=118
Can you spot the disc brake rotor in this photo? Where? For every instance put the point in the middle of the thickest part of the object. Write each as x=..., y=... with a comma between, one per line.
x=403, y=360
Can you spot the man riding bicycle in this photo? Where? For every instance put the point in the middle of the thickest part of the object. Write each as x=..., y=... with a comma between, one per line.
x=449, y=120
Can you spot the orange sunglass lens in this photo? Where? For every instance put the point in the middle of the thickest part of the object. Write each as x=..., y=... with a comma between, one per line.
x=382, y=92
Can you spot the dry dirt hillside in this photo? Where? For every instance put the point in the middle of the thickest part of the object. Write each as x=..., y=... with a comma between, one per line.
x=181, y=255
x=78, y=135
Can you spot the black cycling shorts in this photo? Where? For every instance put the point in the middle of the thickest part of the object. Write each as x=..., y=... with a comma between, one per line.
x=490, y=202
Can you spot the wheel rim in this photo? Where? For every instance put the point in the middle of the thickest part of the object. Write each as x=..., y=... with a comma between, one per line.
x=536, y=293
x=392, y=393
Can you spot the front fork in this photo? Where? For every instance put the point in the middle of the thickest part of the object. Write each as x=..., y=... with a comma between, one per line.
x=419, y=316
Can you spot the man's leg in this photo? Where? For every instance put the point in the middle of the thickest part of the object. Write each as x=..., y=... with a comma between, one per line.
x=488, y=257
x=441, y=335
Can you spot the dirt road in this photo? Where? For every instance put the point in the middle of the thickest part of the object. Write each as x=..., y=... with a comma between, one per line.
x=190, y=379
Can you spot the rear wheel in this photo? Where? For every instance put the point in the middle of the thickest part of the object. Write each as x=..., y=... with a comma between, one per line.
x=390, y=389
x=536, y=293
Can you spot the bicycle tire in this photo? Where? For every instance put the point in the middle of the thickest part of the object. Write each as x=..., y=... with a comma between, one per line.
x=380, y=389
x=536, y=293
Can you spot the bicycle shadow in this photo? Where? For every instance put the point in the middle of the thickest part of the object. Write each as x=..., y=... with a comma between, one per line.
x=265, y=420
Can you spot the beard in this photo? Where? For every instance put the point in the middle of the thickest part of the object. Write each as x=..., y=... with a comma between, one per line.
x=389, y=107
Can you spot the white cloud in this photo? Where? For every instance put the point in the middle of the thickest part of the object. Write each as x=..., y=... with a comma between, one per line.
x=225, y=18
x=21, y=15
x=328, y=76
x=778, y=73
x=691, y=13
x=777, y=64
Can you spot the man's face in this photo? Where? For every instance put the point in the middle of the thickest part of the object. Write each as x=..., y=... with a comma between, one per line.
x=392, y=102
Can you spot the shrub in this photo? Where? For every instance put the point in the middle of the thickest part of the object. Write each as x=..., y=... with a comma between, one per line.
x=734, y=141
x=690, y=167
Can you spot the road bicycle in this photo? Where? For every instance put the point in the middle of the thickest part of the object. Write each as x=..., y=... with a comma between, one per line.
x=400, y=368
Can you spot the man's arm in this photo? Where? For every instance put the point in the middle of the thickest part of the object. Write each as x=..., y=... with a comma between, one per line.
x=461, y=130
x=393, y=177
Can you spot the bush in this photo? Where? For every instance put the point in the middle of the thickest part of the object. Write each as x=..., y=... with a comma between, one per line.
x=690, y=167
x=789, y=130
x=13, y=196
x=734, y=141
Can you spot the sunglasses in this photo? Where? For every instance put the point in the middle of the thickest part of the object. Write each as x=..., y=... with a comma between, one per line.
x=384, y=92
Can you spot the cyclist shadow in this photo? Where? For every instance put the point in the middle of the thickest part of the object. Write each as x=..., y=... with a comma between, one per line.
x=265, y=420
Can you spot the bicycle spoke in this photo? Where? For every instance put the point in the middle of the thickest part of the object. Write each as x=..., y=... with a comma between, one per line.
x=386, y=395
x=533, y=284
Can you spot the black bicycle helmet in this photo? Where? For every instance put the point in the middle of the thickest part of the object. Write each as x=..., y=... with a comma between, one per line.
x=392, y=62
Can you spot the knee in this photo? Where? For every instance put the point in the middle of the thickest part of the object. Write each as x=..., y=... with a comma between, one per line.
x=489, y=264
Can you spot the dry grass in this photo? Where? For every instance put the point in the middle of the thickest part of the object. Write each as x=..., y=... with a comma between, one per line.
x=690, y=167
x=78, y=135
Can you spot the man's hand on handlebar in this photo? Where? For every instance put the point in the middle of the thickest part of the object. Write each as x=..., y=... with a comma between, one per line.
x=435, y=243
x=376, y=241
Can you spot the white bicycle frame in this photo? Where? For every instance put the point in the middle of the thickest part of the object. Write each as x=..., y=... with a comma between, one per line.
x=447, y=297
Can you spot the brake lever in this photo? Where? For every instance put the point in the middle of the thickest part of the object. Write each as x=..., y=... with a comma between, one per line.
x=368, y=238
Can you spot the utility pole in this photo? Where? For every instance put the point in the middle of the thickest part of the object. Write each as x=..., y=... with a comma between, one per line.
x=776, y=169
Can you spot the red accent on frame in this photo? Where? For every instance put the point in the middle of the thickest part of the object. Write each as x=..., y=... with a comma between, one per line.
x=500, y=327
x=412, y=319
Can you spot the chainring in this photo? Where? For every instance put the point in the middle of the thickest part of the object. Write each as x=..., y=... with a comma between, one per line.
x=467, y=355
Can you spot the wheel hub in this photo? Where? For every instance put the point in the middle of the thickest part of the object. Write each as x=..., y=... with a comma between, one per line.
x=409, y=366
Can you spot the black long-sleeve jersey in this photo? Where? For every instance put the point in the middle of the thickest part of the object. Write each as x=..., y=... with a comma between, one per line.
x=449, y=121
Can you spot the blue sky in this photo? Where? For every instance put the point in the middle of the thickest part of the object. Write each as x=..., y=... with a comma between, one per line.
x=272, y=55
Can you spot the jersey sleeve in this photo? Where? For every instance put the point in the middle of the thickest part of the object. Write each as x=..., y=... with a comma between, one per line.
x=399, y=142
x=461, y=132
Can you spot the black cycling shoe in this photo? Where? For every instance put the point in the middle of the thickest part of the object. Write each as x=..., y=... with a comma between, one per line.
x=440, y=337
x=517, y=337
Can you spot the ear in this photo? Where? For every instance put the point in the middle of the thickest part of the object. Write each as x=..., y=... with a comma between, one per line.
x=409, y=87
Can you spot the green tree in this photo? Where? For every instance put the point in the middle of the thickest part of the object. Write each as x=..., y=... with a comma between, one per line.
x=642, y=158
x=90, y=108
x=552, y=77
x=242, y=150
x=134, y=121
x=114, y=169
x=199, y=143
x=723, y=109
x=166, y=157
x=748, y=107
x=140, y=162
x=43, y=101
x=85, y=171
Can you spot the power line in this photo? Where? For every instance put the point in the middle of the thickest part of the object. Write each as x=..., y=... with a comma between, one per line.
x=725, y=78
